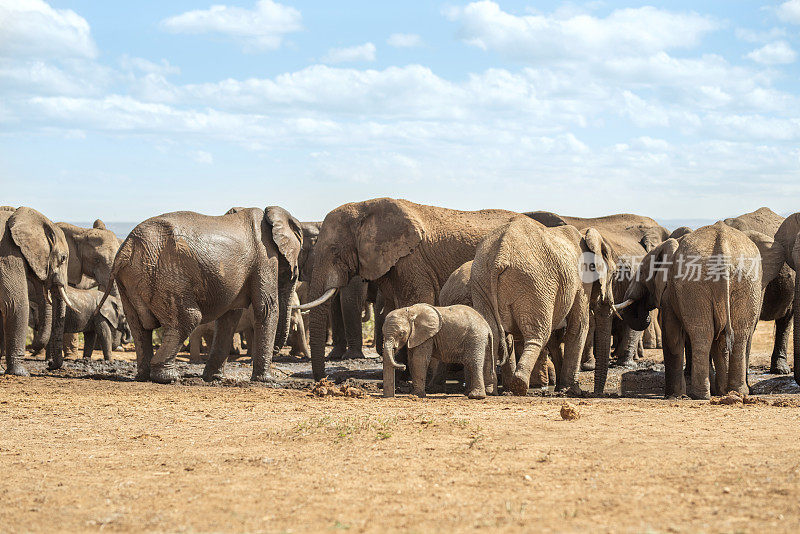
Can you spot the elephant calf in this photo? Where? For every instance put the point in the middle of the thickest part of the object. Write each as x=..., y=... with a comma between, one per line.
x=451, y=334
x=108, y=328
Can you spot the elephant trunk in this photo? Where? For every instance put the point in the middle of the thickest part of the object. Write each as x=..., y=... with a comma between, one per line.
x=602, y=347
x=389, y=366
x=44, y=318
x=55, y=346
x=285, y=289
x=796, y=312
x=318, y=323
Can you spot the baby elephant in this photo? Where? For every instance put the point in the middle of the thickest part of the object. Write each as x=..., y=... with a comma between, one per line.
x=451, y=334
x=107, y=330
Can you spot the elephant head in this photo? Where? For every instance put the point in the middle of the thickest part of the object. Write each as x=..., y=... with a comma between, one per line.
x=306, y=258
x=91, y=253
x=363, y=238
x=648, y=288
x=112, y=312
x=679, y=232
x=413, y=325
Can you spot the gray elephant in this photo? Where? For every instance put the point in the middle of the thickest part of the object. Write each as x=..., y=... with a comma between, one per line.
x=344, y=317
x=105, y=330
x=450, y=334
x=182, y=269
x=408, y=249
x=787, y=251
x=528, y=280
x=708, y=288
x=31, y=248
x=779, y=294
x=629, y=237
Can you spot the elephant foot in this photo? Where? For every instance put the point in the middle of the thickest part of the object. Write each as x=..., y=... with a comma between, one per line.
x=265, y=378
x=477, y=393
x=53, y=365
x=337, y=353
x=571, y=391
x=701, y=395
x=518, y=386
x=163, y=374
x=628, y=363
x=353, y=354
x=779, y=367
x=420, y=394
x=211, y=374
x=16, y=369
x=143, y=375
x=588, y=365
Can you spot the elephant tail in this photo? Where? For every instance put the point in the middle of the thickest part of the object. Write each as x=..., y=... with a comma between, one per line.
x=496, y=312
x=728, y=330
x=123, y=255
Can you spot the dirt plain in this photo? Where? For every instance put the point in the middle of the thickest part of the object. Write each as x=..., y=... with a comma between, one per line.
x=87, y=449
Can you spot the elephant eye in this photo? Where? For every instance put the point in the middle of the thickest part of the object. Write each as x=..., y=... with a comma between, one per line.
x=63, y=258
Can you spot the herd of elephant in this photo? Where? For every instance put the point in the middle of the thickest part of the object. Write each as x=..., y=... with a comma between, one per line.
x=509, y=297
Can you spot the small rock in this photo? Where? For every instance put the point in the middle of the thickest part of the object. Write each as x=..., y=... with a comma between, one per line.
x=569, y=412
x=528, y=478
x=726, y=489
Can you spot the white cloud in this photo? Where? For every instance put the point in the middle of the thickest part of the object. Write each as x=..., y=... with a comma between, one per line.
x=752, y=36
x=260, y=28
x=31, y=28
x=404, y=40
x=777, y=53
x=350, y=54
x=148, y=67
x=543, y=38
x=790, y=11
x=201, y=156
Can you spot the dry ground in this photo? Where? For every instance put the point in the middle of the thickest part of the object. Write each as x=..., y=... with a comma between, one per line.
x=86, y=449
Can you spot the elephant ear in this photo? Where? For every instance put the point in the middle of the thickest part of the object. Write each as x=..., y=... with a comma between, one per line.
x=652, y=238
x=287, y=232
x=426, y=321
x=660, y=257
x=389, y=231
x=35, y=236
x=772, y=255
x=593, y=242
x=788, y=235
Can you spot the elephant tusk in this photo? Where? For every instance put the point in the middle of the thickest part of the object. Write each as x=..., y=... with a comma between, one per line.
x=621, y=306
x=314, y=303
x=63, y=293
x=47, y=297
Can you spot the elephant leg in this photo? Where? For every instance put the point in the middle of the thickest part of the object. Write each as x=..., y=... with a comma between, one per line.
x=720, y=359
x=628, y=347
x=418, y=360
x=142, y=340
x=673, y=348
x=701, y=350
x=535, y=337
x=162, y=365
x=539, y=373
x=15, y=326
x=265, y=326
x=737, y=366
x=195, y=347
x=70, y=344
x=574, y=338
x=89, y=339
x=587, y=359
x=474, y=370
x=337, y=329
x=381, y=309
x=105, y=338
x=352, y=305
x=220, y=348
x=783, y=327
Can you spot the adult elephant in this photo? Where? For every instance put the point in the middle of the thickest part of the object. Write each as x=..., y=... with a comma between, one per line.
x=182, y=269
x=778, y=297
x=409, y=249
x=31, y=247
x=528, y=281
x=708, y=288
x=629, y=237
x=346, y=307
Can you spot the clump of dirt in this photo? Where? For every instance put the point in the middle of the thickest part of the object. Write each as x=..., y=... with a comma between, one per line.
x=326, y=388
x=732, y=398
x=569, y=412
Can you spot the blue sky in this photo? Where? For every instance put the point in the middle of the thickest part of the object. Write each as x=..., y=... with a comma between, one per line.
x=125, y=110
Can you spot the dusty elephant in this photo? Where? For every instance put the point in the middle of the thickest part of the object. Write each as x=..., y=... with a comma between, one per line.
x=779, y=294
x=31, y=248
x=629, y=237
x=528, y=281
x=409, y=249
x=182, y=269
x=787, y=251
x=450, y=334
x=708, y=289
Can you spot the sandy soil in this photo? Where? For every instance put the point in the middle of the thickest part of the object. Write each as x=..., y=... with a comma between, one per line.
x=87, y=449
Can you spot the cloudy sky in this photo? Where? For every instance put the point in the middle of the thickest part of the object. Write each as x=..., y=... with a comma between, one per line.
x=123, y=110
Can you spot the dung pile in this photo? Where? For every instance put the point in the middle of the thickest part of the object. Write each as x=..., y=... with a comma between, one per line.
x=326, y=388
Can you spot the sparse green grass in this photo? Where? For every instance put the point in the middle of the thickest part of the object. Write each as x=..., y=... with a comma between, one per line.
x=347, y=427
